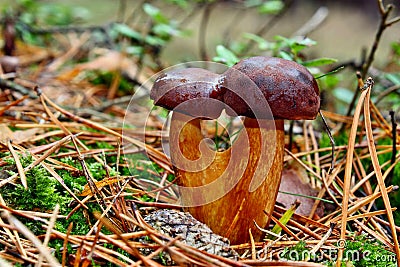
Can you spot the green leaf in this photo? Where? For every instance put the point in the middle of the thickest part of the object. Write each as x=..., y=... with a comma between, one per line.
x=284, y=220
x=154, y=40
x=294, y=44
x=280, y=38
x=262, y=43
x=297, y=45
x=306, y=42
x=252, y=3
x=271, y=7
x=154, y=13
x=343, y=94
x=166, y=30
x=285, y=55
x=134, y=50
x=226, y=56
x=393, y=78
x=319, y=62
x=396, y=48
x=180, y=3
x=127, y=31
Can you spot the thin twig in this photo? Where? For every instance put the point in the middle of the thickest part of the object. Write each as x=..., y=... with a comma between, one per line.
x=383, y=25
x=331, y=140
x=203, y=30
x=121, y=10
x=388, y=91
x=89, y=178
x=312, y=24
x=18, y=88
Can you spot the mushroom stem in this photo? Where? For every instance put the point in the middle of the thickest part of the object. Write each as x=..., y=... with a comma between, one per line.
x=229, y=190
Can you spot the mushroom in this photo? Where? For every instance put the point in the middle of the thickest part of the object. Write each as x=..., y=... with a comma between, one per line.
x=230, y=190
x=173, y=89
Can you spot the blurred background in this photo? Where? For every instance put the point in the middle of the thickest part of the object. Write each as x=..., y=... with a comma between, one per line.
x=160, y=33
x=347, y=27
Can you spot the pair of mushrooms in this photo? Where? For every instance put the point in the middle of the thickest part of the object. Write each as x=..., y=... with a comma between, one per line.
x=230, y=190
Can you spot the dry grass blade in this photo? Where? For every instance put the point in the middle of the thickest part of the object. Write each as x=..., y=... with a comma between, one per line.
x=39, y=160
x=87, y=245
x=305, y=166
x=88, y=176
x=28, y=234
x=48, y=232
x=323, y=240
x=348, y=171
x=13, y=103
x=376, y=235
x=327, y=180
x=50, y=150
x=65, y=243
x=13, y=237
x=100, y=217
x=153, y=152
x=362, y=202
x=378, y=172
x=18, y=164
x=66, y=131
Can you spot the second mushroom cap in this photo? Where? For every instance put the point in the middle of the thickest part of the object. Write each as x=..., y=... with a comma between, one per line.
x=289, y=88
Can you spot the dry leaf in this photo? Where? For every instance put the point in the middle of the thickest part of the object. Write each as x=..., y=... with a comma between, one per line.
x=5, y=133
x=18, y=136
x=109, y=61
x=291, y=183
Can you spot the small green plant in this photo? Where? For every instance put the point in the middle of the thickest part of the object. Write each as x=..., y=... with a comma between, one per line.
x=33, y=15
x=287, y=48
x=152, y=40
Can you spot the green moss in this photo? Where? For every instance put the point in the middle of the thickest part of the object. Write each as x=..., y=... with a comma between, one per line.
x=295, y=253
x=341, y=139
x=361, y=252
x=367, y=252
x=41, y=194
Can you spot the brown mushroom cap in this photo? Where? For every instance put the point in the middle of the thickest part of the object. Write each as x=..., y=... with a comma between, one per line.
x=289, y=88
x=192, y=91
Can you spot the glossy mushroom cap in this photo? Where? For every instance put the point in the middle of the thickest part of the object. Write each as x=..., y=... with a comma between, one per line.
x=289, y=88
x=193, y=91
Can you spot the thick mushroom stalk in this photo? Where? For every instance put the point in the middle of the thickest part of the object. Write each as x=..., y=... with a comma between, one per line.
x=233, y=170
x=230, y=190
